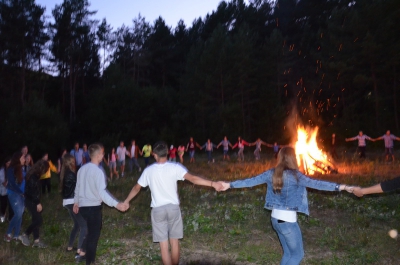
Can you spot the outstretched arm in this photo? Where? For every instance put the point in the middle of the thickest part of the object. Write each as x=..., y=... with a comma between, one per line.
x=203, y=182
x=135, y=190
x=351, y=139
x=359, y=192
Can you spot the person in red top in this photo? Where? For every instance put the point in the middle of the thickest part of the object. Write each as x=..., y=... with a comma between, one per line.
x=172, y=153
x=240, y=144
x=191, y=147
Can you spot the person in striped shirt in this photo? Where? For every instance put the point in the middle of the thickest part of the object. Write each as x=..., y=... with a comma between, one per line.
x=388, y=139
x=362, y=143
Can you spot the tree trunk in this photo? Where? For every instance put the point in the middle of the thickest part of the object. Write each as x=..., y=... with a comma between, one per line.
x=222, y=89
x=396, y=117
x=23, y=84
x=375, y=84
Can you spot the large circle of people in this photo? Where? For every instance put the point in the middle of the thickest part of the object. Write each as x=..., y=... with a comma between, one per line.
x=24, y=182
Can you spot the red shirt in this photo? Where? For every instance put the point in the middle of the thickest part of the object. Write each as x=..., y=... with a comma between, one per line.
x=172, y=152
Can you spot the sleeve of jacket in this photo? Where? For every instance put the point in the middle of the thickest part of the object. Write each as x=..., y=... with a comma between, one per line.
x=69, y=184
x=32, y=190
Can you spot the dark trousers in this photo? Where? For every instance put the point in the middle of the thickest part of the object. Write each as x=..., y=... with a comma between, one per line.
x=37, y=220
x=79, y=226
x=93, y=217
x=361, y=150
x=3, y=204
x=46, y=183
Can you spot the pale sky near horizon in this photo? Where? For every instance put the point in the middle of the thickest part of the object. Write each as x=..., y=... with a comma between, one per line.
x=119, y=12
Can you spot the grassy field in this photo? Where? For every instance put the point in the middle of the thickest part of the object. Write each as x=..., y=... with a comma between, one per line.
x=232, y=227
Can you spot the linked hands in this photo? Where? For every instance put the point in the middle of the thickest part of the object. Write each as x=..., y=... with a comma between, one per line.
x=358, y=191
x=122, y=206
x=221, y=185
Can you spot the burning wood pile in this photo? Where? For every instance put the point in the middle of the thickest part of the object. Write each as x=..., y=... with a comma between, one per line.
x=310, y=159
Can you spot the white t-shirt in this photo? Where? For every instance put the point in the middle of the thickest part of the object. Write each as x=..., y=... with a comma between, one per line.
x=133, y=150
x=121, y=151
x=162, y=181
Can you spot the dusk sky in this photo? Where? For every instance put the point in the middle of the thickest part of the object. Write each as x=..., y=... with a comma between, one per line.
x=118, y=12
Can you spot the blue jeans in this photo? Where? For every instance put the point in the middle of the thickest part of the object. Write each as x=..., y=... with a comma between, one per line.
x=133, y=161
x=79, y=226
x=209, y=155
x=291, y=240
x=17, y=203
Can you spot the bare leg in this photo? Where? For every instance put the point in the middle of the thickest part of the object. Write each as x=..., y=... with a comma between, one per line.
x=175, y=251
x=165, y=255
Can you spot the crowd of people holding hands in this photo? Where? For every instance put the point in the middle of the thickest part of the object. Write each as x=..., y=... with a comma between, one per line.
x=83, y=186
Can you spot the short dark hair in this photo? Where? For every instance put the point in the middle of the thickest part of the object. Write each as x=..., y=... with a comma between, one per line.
x=94, y=148
x=161, y=149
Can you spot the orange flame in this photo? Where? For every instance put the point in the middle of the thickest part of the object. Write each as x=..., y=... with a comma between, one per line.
x=310, y=158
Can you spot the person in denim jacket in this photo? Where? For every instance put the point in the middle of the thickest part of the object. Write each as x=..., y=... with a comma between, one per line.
x=287, y=195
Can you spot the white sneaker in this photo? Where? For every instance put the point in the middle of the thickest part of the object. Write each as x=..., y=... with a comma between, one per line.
x=2, y=219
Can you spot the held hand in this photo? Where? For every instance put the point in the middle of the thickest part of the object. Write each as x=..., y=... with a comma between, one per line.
x=218, y=185
x=39, y=208
x=358, y=191
x=349, y=189
x=122, y=206
x=76, y=208
x=226, y=185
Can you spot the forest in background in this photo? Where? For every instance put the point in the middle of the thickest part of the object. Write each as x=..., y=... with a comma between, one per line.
x=242, y=69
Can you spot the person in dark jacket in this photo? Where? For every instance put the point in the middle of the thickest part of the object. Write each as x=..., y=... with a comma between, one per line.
x=32, y=202
x=67, y=187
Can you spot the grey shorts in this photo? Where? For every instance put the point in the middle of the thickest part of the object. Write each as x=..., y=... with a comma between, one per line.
x=167, y=222
x=112, y=164
x=121, y=163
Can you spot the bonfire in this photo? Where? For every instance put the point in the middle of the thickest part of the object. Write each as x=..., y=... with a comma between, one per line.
x=310, y=158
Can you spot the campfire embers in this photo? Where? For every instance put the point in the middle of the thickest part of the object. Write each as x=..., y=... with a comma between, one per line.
x=310, y=158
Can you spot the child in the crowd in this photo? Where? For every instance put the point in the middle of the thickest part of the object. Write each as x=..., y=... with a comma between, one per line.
x=166, y=218
x=285, y=185
x=60, y=160
x=3, y=190
x=112, y=164
x=67, y=187
x=90, y=192
x=240, y=145
x=209, y=146
x=181, y=152
x=45, y=179
x=32, y=202
x=225, y=144
x=146, y=152
x=191, y=147
x=258, y=144
x=28, y=163
x=15, y=191
x=172, y=154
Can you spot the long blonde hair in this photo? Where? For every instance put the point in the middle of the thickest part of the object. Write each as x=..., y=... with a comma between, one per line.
x=68, y=163
x=286, y=160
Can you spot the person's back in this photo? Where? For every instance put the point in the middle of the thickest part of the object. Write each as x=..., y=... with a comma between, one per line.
x=162, y=180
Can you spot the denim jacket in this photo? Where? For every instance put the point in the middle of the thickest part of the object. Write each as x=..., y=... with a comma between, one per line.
x=293, y=195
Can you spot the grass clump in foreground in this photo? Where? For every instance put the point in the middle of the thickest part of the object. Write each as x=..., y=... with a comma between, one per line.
x=232, y=227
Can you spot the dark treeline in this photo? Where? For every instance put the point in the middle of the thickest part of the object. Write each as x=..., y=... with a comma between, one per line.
x=240, y=70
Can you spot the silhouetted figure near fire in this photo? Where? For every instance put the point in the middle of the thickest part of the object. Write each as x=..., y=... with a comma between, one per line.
x=333, y=147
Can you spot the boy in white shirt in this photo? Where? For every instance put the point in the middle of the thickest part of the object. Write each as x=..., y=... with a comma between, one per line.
x=166, y=218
